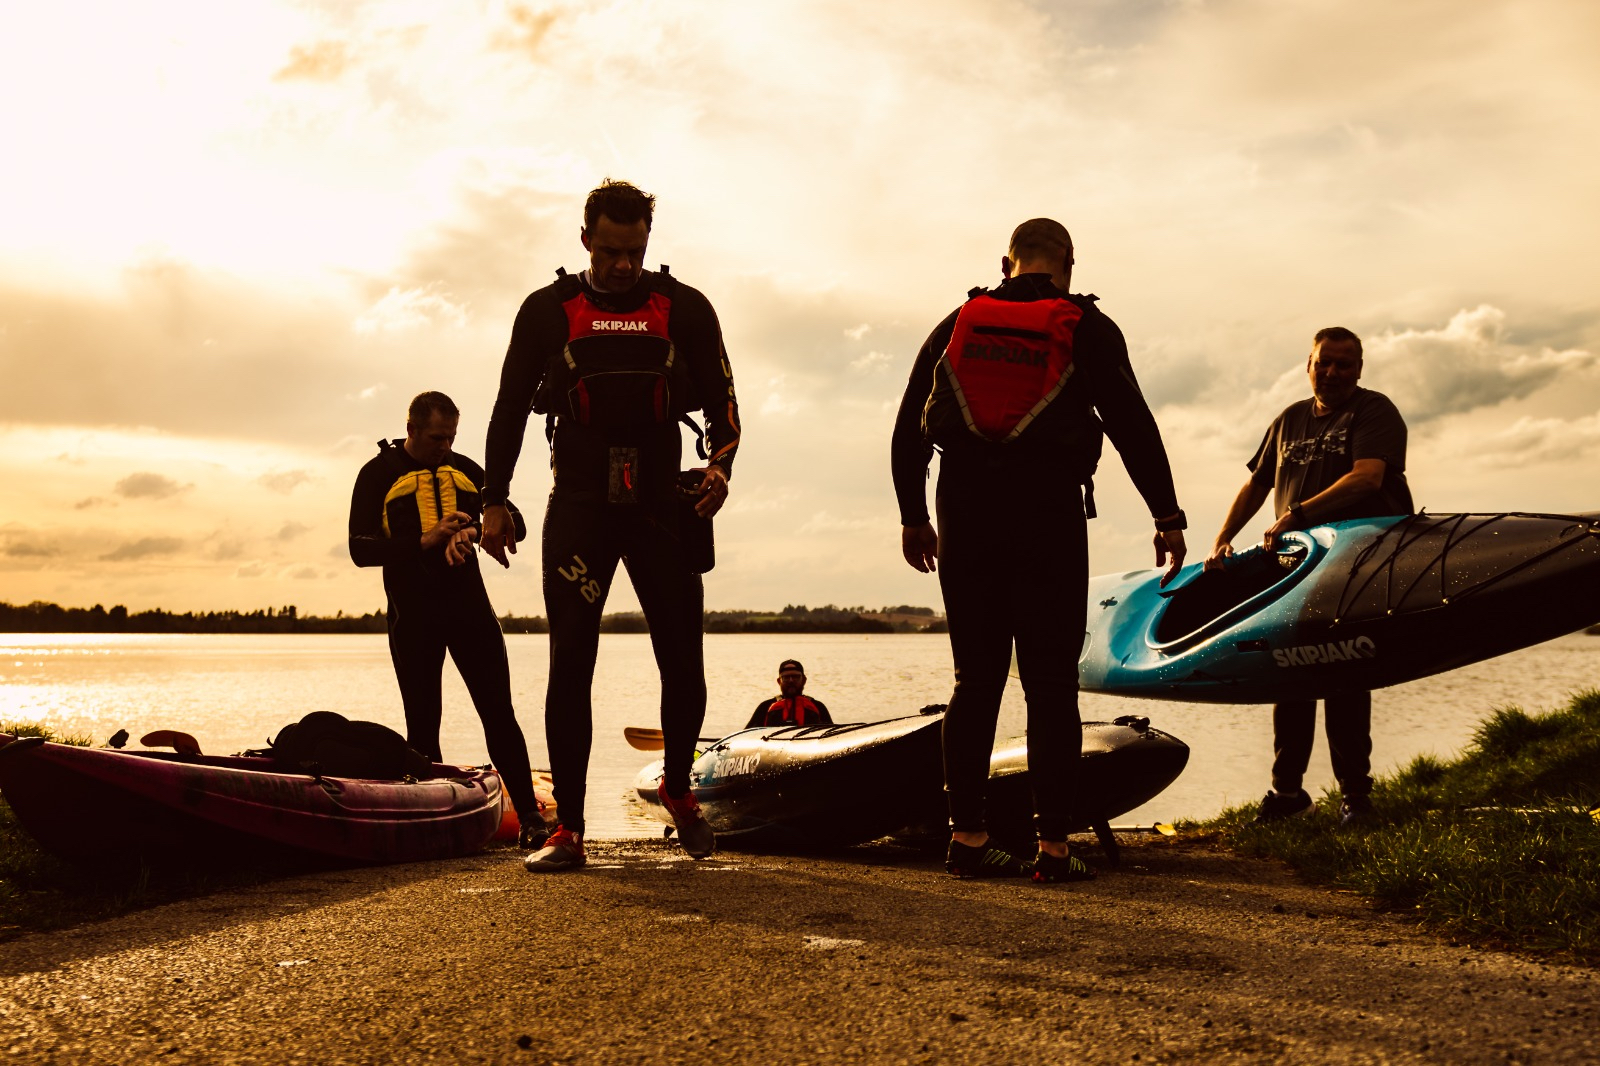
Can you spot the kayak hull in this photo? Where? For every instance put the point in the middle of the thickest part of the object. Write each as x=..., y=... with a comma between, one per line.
x=96, y=805
x=839, y=785
x=1349, y=606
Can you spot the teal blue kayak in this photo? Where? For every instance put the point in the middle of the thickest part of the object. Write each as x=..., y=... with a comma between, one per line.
x=1347, y=606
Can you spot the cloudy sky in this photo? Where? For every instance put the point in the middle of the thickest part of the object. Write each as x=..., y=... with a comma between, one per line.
x=236, y=238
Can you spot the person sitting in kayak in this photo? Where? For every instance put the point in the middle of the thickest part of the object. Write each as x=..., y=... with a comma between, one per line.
x=1340, y=454
x=791, y=706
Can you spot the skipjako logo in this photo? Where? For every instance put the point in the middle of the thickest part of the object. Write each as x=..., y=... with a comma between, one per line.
x=623, y=324
x=1336, y=651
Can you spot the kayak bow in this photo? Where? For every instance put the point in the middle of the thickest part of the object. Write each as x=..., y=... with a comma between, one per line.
x=1347, y=606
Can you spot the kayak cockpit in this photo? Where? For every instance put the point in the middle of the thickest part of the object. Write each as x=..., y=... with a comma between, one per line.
x=1216, y=599
x=814, y=732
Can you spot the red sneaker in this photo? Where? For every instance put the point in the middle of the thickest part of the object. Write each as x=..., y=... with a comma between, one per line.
x=563, y=851
x=694, y=832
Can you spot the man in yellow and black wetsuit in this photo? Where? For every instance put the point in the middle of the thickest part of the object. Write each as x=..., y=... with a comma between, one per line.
x=613, y=358
x=1015, y=388
x=415, y=512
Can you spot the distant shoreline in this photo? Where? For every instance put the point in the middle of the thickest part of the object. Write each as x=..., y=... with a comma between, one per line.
x=41, y=617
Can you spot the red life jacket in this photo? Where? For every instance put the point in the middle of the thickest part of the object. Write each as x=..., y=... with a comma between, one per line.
x=1006, y=361
x=801, y=710
x=617, y=367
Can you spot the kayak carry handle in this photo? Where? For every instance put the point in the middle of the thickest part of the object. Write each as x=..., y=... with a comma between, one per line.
x=19, y=745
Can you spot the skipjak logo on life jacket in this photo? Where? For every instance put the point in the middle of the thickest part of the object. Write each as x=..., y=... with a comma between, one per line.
x=622, y=362
x=1006, y=361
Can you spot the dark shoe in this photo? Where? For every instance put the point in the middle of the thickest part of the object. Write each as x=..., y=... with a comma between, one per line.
x=963, y=860
x=563, y=851
x=532, y=834
x=1356, y=812
x=1276, y=806
x=1049, y=870
x=694, y=832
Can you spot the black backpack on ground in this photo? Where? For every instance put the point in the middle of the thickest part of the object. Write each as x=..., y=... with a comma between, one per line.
x=324, y=742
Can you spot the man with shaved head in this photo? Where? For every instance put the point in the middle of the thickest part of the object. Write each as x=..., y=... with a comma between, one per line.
x=1014, y=389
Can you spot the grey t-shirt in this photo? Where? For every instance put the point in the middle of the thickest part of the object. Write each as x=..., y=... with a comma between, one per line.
x=1302, y=455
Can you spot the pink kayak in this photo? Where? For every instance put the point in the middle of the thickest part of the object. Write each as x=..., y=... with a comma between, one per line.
x=94, y=803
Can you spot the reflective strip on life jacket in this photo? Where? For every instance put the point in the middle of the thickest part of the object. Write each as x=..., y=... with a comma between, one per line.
x=1007, y=360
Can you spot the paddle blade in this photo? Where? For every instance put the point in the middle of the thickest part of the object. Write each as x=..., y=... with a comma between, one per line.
x=643, y=739
x=171, y=738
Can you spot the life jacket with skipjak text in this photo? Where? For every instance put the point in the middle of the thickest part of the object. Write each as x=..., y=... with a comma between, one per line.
x=1007, y=360
x=618, y=369
x=801, y=710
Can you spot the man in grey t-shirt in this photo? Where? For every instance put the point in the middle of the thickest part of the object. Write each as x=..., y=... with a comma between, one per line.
x=1339, y=455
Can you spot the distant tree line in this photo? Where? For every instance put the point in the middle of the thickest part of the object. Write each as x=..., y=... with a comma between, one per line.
x=792, y=619
x=42, y=617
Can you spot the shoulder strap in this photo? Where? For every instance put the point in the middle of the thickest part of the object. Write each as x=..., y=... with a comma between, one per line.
x=662, y=281
x=699, y=436
x=567, y=285
x=395, y=455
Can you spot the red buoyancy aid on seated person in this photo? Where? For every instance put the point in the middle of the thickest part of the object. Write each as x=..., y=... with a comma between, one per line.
x=801, y=710
x=1006, y=361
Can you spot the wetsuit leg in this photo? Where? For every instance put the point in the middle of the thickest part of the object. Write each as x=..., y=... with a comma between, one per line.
x=972, y=576
x=1050, y=608
x=580, y=558
x=479, y=650
x=673, y=601
x=1347, y=719
x=1294, y=727
x=416, y=647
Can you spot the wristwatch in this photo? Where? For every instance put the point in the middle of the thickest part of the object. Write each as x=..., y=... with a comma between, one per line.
x=1298, y=514
x=1169, y=525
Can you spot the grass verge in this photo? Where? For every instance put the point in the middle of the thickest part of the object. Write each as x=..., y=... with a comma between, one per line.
x=1500, y=846
x=39, y=891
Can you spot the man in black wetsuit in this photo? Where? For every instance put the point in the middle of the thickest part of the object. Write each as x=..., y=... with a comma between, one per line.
x=1339, y=455
x=614, y=358
x=791, y=706
x=1014, y=388
x=415, y=512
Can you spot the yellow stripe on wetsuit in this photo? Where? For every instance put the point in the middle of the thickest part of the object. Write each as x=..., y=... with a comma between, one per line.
x=435, y=496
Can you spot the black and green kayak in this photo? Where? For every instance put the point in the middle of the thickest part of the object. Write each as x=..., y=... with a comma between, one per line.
x=837, y=785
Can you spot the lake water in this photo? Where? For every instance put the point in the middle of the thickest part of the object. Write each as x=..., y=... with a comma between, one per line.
x=233, y=692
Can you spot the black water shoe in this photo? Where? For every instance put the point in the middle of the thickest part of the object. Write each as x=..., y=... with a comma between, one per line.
x=1276, y=806
x=963, y=860
x=1356, y=813
x=532, y=834
x=1047, y=869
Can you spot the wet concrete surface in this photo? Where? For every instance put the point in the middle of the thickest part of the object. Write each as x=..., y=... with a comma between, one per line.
x=1184, y=954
